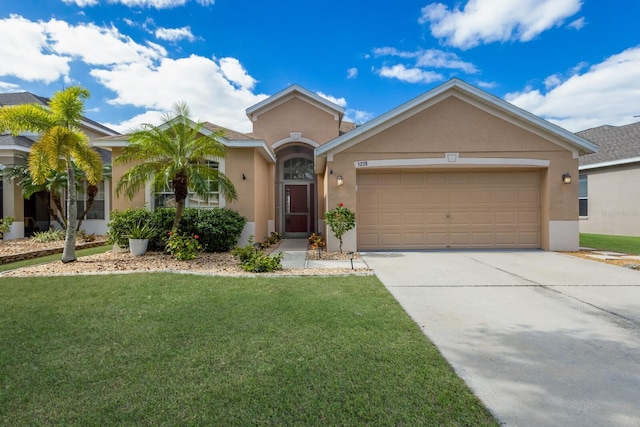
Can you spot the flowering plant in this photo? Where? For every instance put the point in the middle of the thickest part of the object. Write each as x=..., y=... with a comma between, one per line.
x=183, y=248
x=340, y=220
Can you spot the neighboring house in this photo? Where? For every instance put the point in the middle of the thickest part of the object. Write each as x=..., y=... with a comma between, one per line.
x=31, y=215
x=453, y=168
x=609, y=201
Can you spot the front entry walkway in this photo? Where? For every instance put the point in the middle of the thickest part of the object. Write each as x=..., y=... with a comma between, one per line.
x=295, y=256
x=543, y=338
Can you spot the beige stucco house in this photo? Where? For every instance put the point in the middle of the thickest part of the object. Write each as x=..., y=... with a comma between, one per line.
x=453, y=168
x=609, y=201
x=31, y=215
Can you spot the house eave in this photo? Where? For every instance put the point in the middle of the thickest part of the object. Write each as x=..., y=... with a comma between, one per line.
x=610, y=163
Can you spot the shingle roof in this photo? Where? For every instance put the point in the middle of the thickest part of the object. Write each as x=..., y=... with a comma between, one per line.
x=229, y=134
x=615, y=142
x=20, y=98
x=346, y=127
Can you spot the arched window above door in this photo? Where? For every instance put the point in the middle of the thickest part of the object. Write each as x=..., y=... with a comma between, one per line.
x=298, y=168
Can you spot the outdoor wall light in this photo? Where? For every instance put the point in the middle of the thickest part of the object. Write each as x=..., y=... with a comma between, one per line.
x=566, y=178
x=350, y=253
x=340, y=180
x=244, y=178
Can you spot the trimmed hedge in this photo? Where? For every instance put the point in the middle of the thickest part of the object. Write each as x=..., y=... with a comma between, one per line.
x=218, y=229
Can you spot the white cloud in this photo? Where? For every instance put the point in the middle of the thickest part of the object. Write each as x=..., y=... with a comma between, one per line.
x=352, y=73
x=82, y=3
x=358, y=116
x=80, y=42
x=25, y=52
x=410, y=75
x=198, y=81
x=578, y=24
x=175, y=34
x=429, y=58
x=606, y=93
x=488, y=21
x=487, y=85
x=152, y=117
x=8, y=87
x=338, y=101
x=156, y=4
x=235, y=73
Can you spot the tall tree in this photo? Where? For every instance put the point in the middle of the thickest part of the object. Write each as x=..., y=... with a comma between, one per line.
x=174, y=155
x=61, y=146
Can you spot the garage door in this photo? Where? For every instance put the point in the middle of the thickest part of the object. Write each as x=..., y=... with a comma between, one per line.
x=429, y=210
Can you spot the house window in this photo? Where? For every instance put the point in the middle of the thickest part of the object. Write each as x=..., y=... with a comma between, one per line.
x=299, y=169
x=583, y=194
x=166, y=198
x=97, y=208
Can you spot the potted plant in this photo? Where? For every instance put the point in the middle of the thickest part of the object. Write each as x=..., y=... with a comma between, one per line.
x=139, y=235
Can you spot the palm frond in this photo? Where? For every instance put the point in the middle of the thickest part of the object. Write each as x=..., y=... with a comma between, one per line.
x=67, y=106
x=25, y=118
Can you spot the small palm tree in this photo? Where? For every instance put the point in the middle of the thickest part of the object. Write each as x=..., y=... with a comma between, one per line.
x=174, y=155
x=61, y=146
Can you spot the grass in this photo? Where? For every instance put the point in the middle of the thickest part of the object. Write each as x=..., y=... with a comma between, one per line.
x=625, y=244
x=164, y=349
x=54, y=257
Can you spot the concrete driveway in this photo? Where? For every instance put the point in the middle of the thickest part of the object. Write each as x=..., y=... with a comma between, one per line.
x=544, y=339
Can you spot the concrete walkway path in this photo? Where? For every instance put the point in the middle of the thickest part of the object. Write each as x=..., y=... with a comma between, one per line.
x=543, y=338
x=295, y=256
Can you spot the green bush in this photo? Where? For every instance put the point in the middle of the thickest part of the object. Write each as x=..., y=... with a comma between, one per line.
x=122, y=222
x=257, y=261
x=219, y=229
x=244, y=253
x=50, y=235
x=5, y=225
x=183, y=248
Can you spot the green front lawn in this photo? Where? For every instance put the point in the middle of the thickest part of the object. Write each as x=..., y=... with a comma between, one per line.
x=625, y=244
x=165, y=349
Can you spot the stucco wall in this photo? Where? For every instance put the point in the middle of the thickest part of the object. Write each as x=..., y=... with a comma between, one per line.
x=455, y=126
x=295, y=115
x=613, y=206
x=122, y=202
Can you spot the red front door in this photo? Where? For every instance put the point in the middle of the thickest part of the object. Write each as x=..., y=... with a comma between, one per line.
x=296, y=205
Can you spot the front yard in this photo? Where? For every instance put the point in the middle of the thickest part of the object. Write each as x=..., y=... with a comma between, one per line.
x=167, y=349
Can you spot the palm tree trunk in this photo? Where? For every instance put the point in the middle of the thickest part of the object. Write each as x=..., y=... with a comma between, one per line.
x=69, y=252
x=181, y=191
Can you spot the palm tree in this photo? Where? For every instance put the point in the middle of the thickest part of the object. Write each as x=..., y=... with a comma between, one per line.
x=174, y=155
x=61, y=146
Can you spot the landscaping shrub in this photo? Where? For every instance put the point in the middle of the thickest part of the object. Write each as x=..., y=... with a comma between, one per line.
x=219, y=229
x=50, y=235
x=123, y=221
x=5, y=225
x=183, y=248
x=255, y=260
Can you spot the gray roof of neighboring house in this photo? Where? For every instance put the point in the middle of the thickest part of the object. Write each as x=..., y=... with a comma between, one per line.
x=615, y=143
x=20, y=98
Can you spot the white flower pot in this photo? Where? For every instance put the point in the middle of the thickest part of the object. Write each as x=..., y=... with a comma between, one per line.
x=138, y=247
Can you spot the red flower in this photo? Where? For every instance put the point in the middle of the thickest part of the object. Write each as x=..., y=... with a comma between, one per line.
x=341, y=205
x=195, y=236
x=169, y=233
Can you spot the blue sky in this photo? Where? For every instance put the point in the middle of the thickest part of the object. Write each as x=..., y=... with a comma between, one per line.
x=575, y=63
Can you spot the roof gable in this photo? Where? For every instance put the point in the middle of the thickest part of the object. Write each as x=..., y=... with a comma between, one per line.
x=294, y=91
x=472, y=95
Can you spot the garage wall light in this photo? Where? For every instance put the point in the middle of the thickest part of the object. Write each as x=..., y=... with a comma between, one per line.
x=340, y=180
x=566, y=178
